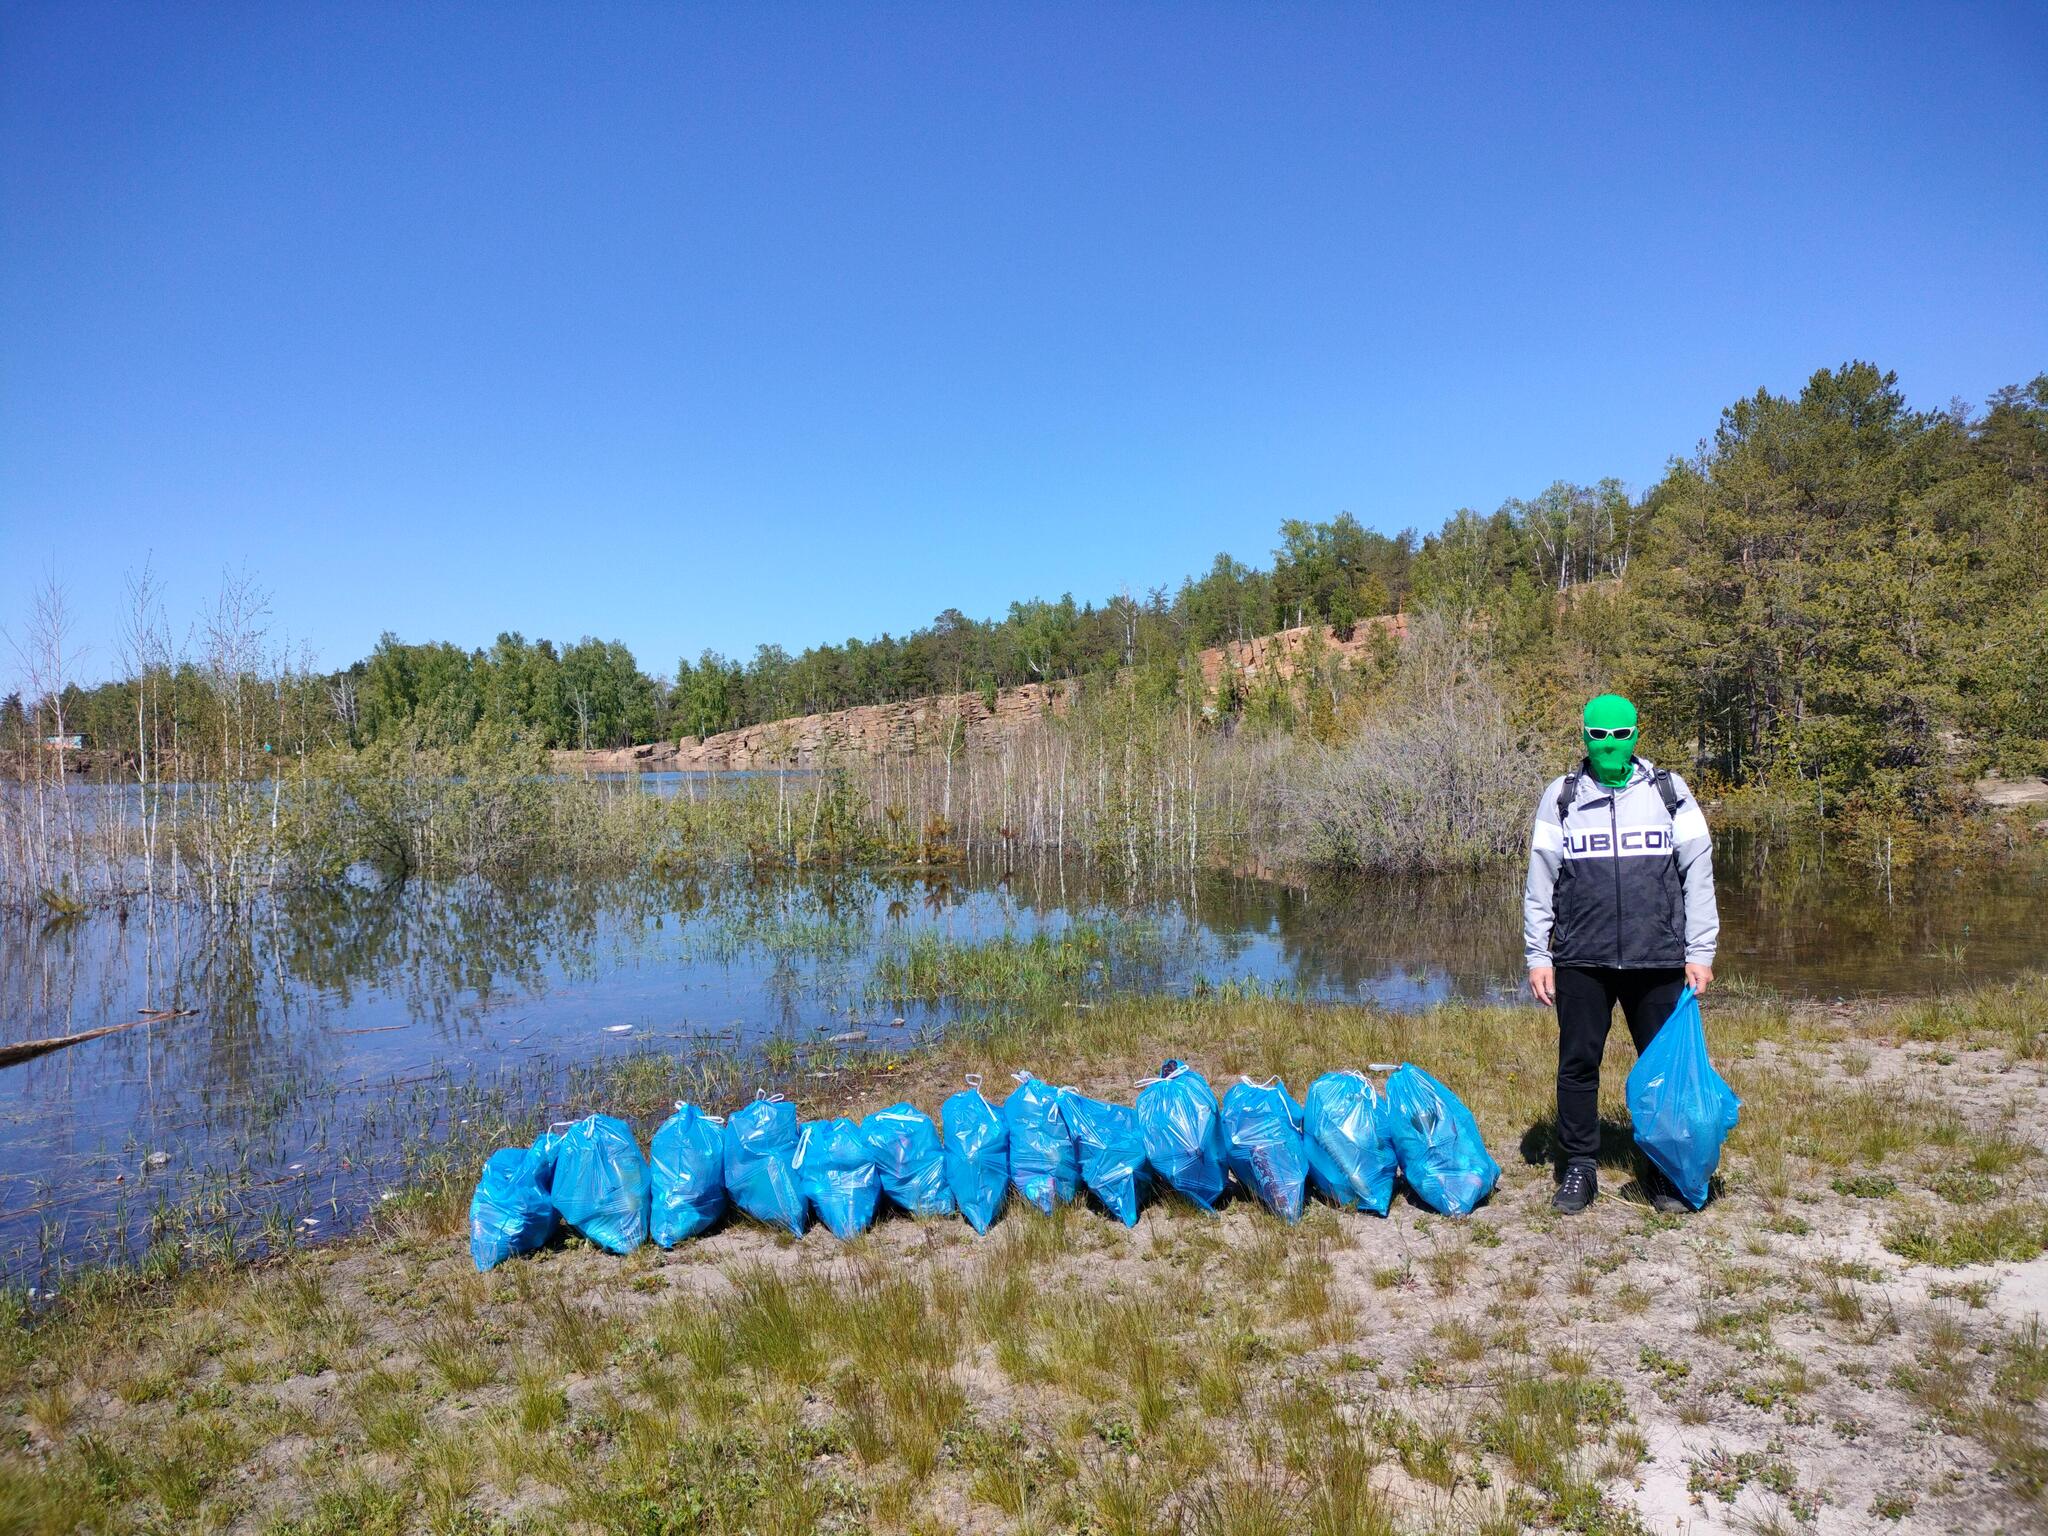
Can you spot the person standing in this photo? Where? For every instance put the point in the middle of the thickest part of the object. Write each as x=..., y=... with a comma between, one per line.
x=1618, y=908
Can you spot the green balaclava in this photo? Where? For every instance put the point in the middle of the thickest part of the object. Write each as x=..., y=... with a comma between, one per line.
x=1611, y=759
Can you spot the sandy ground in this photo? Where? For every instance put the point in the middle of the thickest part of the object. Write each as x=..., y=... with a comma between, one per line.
x=1848, y=1434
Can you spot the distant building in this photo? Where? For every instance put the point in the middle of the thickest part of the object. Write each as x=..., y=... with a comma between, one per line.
x=75, y=742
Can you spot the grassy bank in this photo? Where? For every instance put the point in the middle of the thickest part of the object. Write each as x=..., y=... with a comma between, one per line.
x=1847, y=1335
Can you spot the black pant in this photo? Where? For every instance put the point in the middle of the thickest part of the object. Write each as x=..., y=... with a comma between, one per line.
x=1586, y=996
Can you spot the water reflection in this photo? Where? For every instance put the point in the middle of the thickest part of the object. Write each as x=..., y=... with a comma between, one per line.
x=336, y=1028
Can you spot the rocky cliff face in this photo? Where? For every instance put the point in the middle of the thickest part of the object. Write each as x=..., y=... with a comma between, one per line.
x=811, y=741
x=1281, y=651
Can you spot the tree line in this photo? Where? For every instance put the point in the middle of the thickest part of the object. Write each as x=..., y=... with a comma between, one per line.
x=1835, y=594
x=594, y=693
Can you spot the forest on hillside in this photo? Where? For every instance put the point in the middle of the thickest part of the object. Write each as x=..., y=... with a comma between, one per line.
x=1835, y=592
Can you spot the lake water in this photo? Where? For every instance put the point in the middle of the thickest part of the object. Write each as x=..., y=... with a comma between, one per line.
x=334, y=1033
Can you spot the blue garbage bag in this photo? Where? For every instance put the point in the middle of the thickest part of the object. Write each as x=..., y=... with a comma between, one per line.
x=1347, y=1132
x=545, y=1148
x=1045, y=1166
x=1681, y=1108
x=510, y=1213
x=760, y=1145
x=689, y=1175
x=1262, y=1140
x=837, y=1174
x=905, y=1146
x=1443, y=1158
x=1112, y=1152
x=1183, y=1130
x=600, y=1183
x=977, y=1155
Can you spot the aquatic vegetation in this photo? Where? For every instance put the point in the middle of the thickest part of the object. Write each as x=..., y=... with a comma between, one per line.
x=1079, y=959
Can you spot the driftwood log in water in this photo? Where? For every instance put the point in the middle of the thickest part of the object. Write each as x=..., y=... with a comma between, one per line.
x=28, y=1050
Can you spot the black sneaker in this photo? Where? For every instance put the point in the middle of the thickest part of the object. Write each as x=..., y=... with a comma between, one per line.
x=1664, y=1198
x=1581, y=1184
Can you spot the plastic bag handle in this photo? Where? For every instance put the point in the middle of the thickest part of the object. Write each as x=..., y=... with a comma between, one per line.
x=709, y=1119
x=1052, y=1110
x=1164, y=1076
x=973, y=1080
x=1254, y=1083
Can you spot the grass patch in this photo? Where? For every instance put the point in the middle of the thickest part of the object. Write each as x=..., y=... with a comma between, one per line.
x=1964, y=1186
x=2011, y=1233
x=1043, y=969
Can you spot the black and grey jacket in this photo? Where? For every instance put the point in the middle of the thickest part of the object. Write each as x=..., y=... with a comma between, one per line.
x=1623, y=880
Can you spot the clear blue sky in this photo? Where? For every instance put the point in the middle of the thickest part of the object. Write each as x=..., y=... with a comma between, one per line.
x=700, y=326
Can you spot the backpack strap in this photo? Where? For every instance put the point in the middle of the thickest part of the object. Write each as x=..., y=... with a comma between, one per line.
x=1665, y=788
x=1568, y=791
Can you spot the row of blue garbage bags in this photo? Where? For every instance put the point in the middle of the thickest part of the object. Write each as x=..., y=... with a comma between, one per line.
x=1346, y=1141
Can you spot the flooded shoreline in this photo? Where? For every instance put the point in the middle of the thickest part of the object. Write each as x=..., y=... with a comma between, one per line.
x=337, y=1035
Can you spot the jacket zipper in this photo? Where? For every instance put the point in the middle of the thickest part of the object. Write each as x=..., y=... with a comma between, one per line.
x=1614, y=858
